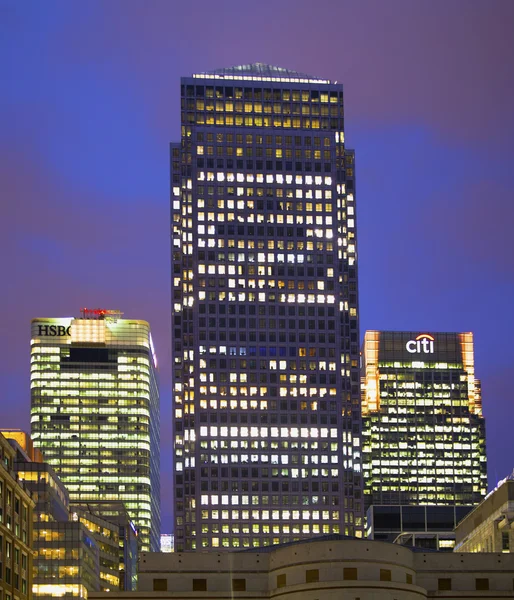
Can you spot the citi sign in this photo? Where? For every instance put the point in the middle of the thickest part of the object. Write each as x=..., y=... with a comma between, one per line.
x=424, y=343
x=54, y=330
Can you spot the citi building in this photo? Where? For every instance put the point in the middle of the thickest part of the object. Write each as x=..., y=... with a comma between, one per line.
x=265, y=336
x=424, y=432
x=95, y=411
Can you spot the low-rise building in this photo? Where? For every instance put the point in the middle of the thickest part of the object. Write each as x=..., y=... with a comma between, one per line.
x=16, y=506
x=106, y=535
x=67, y=561
x=129, y=542
x=329, y=568
x=490, y=526
x=77, y=548
x=427, y=527
x=67, y=557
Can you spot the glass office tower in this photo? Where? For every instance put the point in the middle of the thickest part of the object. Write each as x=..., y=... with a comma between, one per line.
x=423, y=429
x=95, y=411
x=265, y=335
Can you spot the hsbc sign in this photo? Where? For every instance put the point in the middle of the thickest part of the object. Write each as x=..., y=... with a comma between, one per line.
x=423, y=344
x=54, y=330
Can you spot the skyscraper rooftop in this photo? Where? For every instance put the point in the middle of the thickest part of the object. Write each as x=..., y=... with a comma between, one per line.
x=260, y=72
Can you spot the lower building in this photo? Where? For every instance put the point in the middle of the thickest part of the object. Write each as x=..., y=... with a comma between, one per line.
x=66, y=555
x=328, y=568
x=78, y=548
x=129, y=542
x=22, y=443
x=106, y=535
x=16, y=508
x=67, y=561
x=490, y=526
x=428, y=527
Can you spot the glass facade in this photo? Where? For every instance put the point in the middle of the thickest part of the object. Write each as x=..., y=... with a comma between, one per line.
x=98, y=555
x=423, y=429
x=95, y=412
x=115, y=513
x=422, y=526
x=265, y=336
x=67, y=561
x=66, y=557
x=106, y=535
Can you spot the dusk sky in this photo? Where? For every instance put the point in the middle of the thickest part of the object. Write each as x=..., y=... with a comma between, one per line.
x=90, y=100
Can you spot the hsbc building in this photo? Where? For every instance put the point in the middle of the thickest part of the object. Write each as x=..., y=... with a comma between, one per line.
x=95, y=411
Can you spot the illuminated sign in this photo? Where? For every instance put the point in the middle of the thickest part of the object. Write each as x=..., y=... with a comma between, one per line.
x=423, y=343
x=101, y=313
x=54, y=330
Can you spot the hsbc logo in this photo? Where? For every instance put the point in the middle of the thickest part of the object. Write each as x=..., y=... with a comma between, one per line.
x=54, y=330
x=423, y=344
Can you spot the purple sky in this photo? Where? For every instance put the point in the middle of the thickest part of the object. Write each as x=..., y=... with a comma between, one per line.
x=90, y=102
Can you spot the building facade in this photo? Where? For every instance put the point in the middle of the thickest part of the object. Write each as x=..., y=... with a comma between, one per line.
x=265, y=335
x=331, y=569
x=66, y=561
x=423, y=429
x=95, y=411
x=106, y=536
x=421, y=526
x=116, y=514
x=16, y=508
x=490, y=526
x=66, y=558
x=77, y=548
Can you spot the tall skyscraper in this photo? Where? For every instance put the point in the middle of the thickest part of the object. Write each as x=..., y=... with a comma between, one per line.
x=423, y=429
x=265, y=335
x=95, y=411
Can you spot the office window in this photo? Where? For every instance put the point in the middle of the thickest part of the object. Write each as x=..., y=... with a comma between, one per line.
x=481, y=583
x=281, y=580
x=505, y=541
x=199, y=585
x=160, y=585
x=385, y=575
x=350, y=573
x=238, y=585
x=311, y=575
x=444, y=584
x=408, y=578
